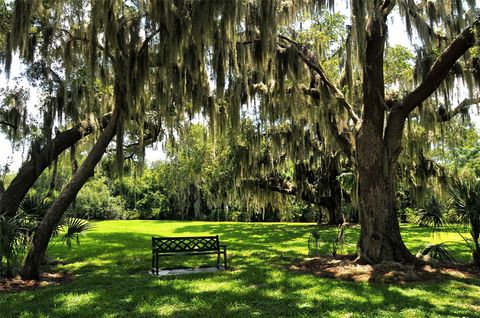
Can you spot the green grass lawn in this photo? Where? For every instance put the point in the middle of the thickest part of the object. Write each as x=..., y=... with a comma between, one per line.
x=111, y=279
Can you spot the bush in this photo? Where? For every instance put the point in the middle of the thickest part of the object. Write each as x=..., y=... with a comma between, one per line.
x=13, y=240
x=350, y=213
x=94, y=201
x=432, y=215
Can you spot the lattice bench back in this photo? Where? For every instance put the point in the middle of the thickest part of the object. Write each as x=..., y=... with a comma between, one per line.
x=185, y=244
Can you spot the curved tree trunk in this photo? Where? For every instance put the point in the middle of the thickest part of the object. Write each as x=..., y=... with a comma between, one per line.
x=32, y=169
x=41, y=238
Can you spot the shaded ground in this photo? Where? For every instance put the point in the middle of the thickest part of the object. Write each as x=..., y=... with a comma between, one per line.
x=111, y=278
x=344, y=267
x=47, y=279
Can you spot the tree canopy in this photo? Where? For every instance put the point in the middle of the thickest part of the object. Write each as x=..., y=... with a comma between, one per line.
x=313, y=93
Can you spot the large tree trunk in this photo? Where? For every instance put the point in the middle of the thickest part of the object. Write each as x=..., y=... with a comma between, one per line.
x=380, y=238
x=41, y=238
x=32, y=169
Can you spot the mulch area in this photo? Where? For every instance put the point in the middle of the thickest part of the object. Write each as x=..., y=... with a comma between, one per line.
x=46, y=279
x=344, y=267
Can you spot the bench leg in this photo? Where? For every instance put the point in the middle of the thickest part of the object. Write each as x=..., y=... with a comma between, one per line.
x=225, y=257
x=153, y=263
x=218, y=260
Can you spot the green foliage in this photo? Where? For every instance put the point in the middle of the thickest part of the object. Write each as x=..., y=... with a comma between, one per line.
x=432, y=214
x=34, y=205
x=73, y=228
x=439, y=252
x=466, y=201
x=399, y=61
x=94, y=201
x=13, y=239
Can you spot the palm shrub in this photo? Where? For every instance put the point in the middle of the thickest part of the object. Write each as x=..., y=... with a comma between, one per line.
x=432, y=215
x=34, y=206
x=73, y=229
x=13, y=240
x=437, y=251
x=465, y=196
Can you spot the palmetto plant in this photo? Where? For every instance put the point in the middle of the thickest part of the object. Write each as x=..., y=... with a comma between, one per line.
x=34, y=206
x=438, y=251
x=466, y=201
x=432, y=215
x=73, y=229
x=13, y=240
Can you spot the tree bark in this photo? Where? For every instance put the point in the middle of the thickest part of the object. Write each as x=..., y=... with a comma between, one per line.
x=32, y=169
x=51, y=188
x=334, y=204
x=41, y=238
x=380, y=238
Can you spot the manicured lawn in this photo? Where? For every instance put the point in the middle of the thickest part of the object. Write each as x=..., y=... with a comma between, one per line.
x=111, y=278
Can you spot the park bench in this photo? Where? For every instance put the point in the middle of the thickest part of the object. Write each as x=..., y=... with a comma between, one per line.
x=197, y=245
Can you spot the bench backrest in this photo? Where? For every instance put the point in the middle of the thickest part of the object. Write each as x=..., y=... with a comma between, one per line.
x=185, y=244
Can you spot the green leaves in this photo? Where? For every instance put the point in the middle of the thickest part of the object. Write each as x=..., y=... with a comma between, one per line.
x=74, y=228
x=466, y=201
x=13, y=239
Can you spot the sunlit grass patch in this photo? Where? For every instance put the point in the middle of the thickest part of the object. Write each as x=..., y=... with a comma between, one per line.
x=111, y=277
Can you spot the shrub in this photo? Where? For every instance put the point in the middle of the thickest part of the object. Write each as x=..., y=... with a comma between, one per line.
x=432, y=214
x=94, y=201
x=13, y=240
x=439, y=252
x=466, y=201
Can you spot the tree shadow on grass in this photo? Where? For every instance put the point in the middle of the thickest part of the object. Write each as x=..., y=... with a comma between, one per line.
x=250, y=292
x=112, y=280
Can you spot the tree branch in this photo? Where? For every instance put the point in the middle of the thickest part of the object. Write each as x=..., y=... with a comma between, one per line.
x=439, y=70
x=315, y=66
x=39, y=161
x=85, y=40
x=413, y=11
x=6, y=123
x=387, y=7
x=467, y=102
x=280, y=186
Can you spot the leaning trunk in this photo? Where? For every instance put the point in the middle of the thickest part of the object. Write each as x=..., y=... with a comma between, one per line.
x=32, y=169
x=41, y=238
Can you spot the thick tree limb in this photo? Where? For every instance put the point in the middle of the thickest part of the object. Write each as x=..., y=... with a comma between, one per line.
x=412, y=10
x=467, y=102
x=6, y=123
x=315, y=66
x=32, y=169
x=440, y=69
x=283, y=187
x=387, y=7
x=41, y=237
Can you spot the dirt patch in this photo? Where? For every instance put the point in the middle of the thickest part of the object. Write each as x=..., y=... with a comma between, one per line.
x=46, y=279
x=345, y=268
